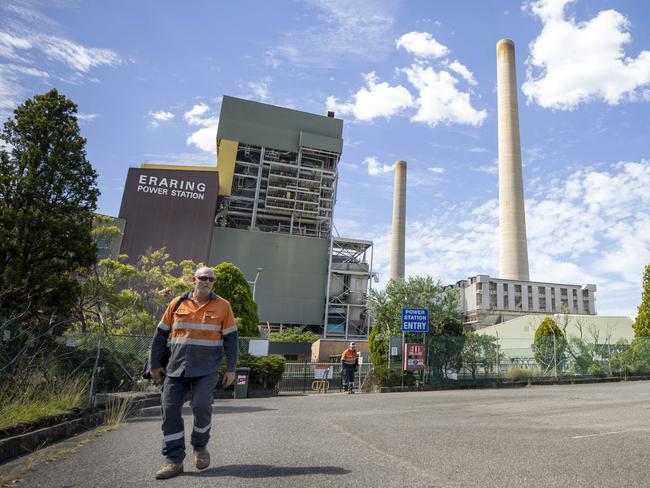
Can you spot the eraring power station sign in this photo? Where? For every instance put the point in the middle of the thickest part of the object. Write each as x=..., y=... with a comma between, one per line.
x=171, y=186
x=169, y=208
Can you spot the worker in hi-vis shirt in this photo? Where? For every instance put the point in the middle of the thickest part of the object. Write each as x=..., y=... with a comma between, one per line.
x=201, y=329
x=349, y=364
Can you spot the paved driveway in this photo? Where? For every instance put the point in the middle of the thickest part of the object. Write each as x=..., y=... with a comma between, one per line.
x=550, y=436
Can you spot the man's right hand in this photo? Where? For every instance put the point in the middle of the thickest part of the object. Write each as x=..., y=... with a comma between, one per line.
x=157, y=373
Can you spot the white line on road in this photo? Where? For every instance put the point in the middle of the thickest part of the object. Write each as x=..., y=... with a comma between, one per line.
x=609, y=433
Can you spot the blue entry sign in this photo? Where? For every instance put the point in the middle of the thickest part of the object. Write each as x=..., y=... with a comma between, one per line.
x=415, y=320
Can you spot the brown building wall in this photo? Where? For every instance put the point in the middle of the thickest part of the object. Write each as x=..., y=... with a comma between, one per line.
x=169, y=208
x=322, y=349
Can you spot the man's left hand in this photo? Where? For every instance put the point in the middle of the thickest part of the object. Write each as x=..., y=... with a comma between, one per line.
x=228, y=378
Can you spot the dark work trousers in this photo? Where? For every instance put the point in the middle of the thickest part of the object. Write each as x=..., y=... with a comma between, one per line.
x=348, y=377
x=173, y=395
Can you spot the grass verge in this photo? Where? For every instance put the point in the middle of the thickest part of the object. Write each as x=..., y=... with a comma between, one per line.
x=37, y=397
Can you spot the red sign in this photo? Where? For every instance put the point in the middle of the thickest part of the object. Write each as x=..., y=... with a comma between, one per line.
x=413, y=357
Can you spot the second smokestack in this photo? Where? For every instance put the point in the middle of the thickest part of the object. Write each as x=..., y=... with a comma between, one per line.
x=398, y=238
x=512, y=214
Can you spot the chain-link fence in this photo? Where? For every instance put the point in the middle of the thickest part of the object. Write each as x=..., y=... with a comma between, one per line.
x=109, y=363
x=476, y=358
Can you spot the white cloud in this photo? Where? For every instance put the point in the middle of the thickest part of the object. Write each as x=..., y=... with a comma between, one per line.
x=22, y=49
x=422, y=45
x=194, y=116
x=462, y=70
x=376, y=168
x=206, y=137
x=375, y=100
x=75, y=55
x=11, y=88
x=594, y=66
x=260, y=88
x=587, y=227
x=160, y=116
x=88, y=117
x=436, y=170
x=356, y=29
x=9, y=43
x=439, y=100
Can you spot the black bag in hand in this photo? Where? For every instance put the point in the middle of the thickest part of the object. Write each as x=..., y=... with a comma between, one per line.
x=164, y=360
x=164, y=357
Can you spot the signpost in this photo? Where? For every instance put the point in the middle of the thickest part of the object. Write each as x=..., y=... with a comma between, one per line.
x=414, y=320
x=413, y=357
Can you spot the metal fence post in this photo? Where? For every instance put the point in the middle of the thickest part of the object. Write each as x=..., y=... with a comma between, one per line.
x=91, y=397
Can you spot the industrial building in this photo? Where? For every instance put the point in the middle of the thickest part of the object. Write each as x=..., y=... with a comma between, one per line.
x=486, y=301
x=267, y=207
x=516, y=336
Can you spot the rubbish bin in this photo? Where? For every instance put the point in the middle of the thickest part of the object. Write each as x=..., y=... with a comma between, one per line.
x=241, y=382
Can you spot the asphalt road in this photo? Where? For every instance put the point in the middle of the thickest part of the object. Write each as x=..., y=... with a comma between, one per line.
x=542, y=436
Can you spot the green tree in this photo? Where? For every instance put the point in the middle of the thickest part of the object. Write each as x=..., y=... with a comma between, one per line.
x=293, y=334
x=121, y=298
x=641, y=325
x=232, y=285
x=479, y=351
x=550, y=345
x=444, y=340
x=48, y=194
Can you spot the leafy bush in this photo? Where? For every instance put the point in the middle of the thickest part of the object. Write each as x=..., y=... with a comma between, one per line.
x=294, y=334
x=266, y=371
x=550, y=345
x=378, y=346
x=232, y=285
x=382, y=376
x=641, y=325
x=523, y=373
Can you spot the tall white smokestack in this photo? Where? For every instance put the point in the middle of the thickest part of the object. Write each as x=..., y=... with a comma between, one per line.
x=512, y=216
x=398, y=238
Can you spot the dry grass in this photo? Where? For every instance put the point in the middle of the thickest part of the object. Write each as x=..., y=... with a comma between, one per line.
x=117, y=410
x=523, y=374
x=36, y=397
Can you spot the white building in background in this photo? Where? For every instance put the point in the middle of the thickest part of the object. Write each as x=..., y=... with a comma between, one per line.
x=486, y=301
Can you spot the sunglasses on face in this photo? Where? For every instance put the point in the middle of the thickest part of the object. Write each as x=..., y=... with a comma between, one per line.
x=205, y=278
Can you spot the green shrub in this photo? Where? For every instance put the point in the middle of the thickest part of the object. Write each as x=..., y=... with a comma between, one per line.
x=266, y=371
x=394, y=376
x=550, y=345
x=523, y=373
x=378, y=345
x=293, y=334
x=232, y=285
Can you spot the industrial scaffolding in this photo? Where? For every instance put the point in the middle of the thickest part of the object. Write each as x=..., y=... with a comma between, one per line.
x=349, y=282
x=281, y=191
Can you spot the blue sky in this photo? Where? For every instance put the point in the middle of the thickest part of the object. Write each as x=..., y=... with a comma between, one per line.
x=413, y=80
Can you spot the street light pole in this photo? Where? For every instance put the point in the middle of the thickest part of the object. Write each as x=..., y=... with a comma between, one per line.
x=254, y=282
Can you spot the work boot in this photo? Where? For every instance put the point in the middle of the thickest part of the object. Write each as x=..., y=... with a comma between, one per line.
x=202, y=458
x=169, y=471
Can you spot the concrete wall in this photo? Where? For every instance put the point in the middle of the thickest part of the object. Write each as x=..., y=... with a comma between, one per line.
x=291, y=288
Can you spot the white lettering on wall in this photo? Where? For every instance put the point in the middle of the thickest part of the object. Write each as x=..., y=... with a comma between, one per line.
x=172, y=187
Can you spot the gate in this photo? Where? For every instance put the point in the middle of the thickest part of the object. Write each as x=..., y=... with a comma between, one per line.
x=298, y=376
